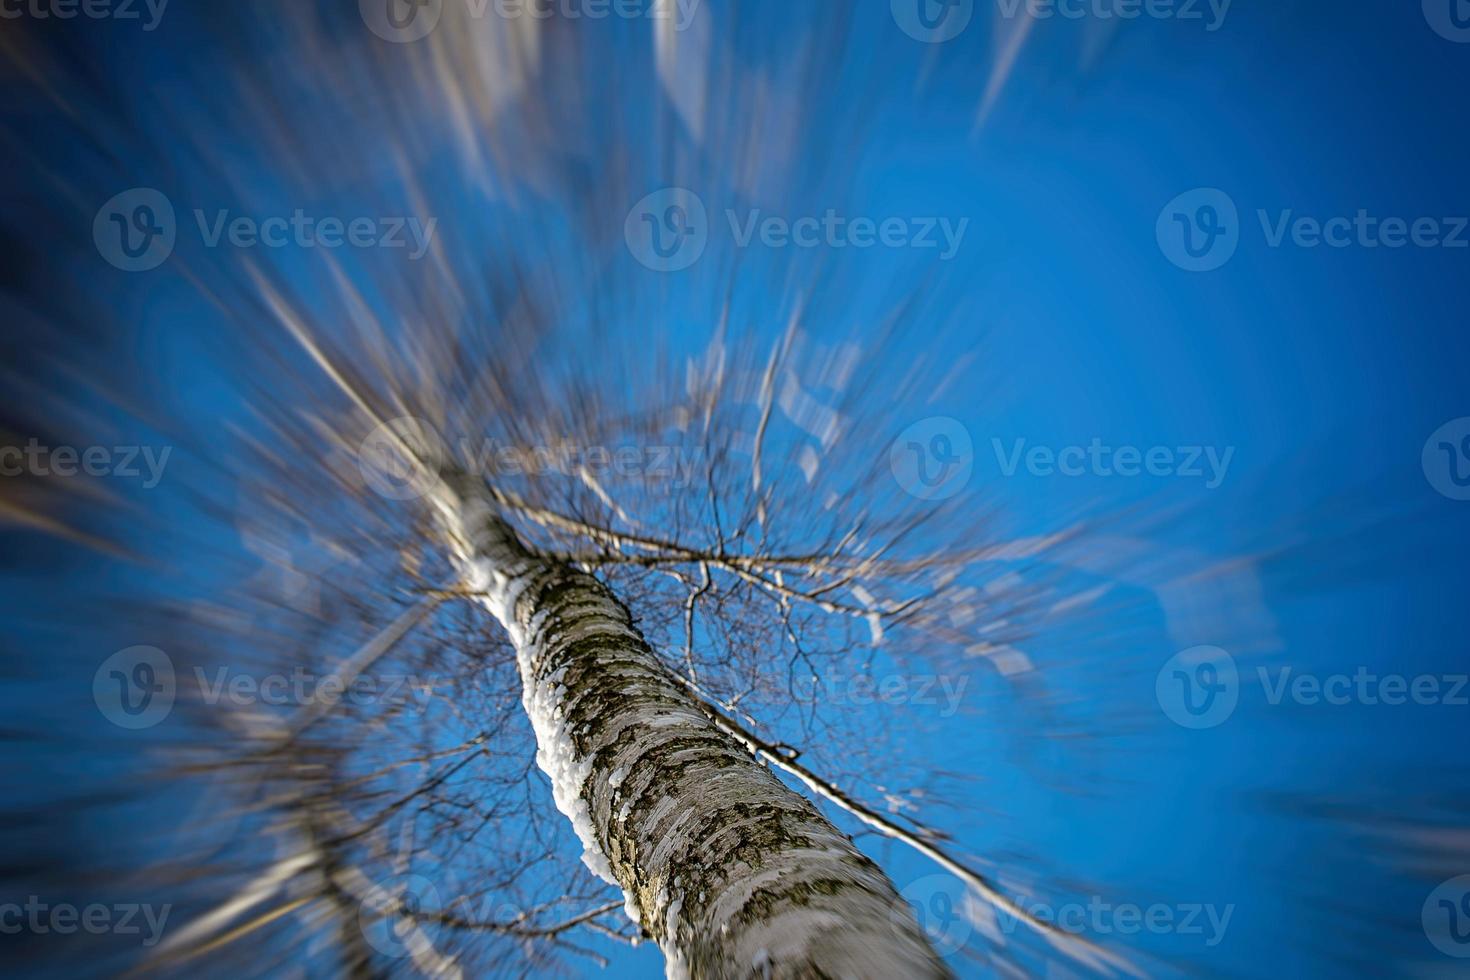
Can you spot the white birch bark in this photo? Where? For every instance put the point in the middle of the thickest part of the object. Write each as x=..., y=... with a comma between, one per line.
x=731, y=872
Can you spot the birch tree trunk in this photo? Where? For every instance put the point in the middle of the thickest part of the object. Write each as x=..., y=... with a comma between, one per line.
x=733, y=874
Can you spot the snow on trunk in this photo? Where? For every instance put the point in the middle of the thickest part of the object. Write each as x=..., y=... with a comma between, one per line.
x=734, y=874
